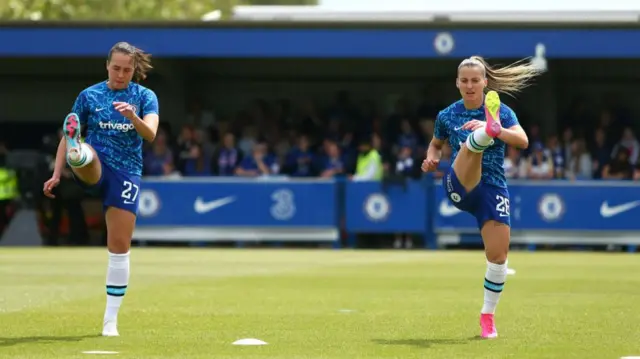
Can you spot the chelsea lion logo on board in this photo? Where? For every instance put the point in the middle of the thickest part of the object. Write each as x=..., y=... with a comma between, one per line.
x=443, y=43
x=149, y=204
x=377, y=207
x=551, y=207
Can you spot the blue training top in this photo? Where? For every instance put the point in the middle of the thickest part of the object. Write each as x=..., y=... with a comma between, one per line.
x=113, y=136
x=448, y=125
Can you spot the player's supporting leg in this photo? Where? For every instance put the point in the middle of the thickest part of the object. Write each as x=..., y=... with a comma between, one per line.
x=495, y=236
x=80, y=156
x=468, y=164
x=120, y=225
x=86, y=166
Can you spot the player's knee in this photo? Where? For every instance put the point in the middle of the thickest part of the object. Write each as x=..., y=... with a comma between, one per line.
x=118, y=244
x=497, y=257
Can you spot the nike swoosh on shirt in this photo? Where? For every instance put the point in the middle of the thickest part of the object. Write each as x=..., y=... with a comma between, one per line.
x=607, y=211
x=201, y=207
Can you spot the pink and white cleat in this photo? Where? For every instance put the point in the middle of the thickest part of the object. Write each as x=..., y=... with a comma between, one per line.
x=492, y=114
x=488, y=326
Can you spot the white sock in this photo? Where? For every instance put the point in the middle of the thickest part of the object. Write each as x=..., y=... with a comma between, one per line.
x=117, y=281
x=80, y=158
x=479, y=140
x=493, y=284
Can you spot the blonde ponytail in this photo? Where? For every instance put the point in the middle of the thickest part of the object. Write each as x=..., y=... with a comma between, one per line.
x=509, y=79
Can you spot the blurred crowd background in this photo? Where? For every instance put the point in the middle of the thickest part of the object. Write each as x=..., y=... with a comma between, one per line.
x=306, y=140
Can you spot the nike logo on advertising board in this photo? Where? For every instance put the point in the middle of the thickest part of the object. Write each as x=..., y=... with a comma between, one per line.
x=447, y=210
x=607, y=211
x=201, y=207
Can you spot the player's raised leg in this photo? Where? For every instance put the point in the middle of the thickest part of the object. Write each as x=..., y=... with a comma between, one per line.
x=495, y=236
x=80, y=156
x=468, y=164
x=120, y=225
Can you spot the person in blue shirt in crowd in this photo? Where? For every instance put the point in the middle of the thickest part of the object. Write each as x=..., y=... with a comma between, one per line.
x=407, y=137
x=299, y=161
x=259, y=163
x=118, y=114
x=227, y=157
x=332, y=164
x=158, y=161
x=478, y=128
x=197, y=165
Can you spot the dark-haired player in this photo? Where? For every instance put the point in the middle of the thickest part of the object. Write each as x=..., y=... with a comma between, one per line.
x=118, y=115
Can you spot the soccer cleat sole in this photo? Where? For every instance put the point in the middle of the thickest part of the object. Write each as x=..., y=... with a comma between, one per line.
x=71, y=129
x=492, y=113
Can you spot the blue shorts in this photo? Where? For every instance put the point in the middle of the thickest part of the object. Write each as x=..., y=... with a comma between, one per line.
x=485, y=202
x=116, y=189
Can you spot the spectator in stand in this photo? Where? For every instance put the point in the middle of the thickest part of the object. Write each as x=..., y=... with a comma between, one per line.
x=248, y=140
x=580, y=167
x=600, y=154
x=630, y=143
x=369, y=164
x=259, y=163
x=408, y=137
x=405, y=165
x=159, y=160
x=619, y=168
x=184, y=145
x=227, y=157
x=405, y=168
x=426, y=134
x=300, y=159
x=534, y=136
x=333, y=162
x=607, y=123
x=555, y=152
x=205, y=141
x=539, y=165
x=567, y=144
x=196, y=164
x=515, y=167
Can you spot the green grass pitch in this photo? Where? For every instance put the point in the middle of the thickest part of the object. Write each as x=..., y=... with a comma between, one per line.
x=190, y=303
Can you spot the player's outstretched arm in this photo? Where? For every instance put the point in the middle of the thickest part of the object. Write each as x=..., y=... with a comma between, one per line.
x=514, y=136
x=57, y=169
x=61, y=158
x=434, y=153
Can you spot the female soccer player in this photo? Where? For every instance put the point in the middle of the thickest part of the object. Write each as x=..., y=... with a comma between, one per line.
x=119, y=115
x=476, y=182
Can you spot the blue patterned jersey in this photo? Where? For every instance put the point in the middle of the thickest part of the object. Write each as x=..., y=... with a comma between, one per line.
x=112, y=135
x=448, y=125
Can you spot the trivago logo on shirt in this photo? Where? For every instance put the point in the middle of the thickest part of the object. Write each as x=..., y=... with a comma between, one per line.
x=124, y=127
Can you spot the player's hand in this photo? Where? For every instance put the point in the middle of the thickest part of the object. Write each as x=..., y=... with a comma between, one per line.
x=125, y=109
x=50, y=185
x=473, y=125
x=430, y=165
